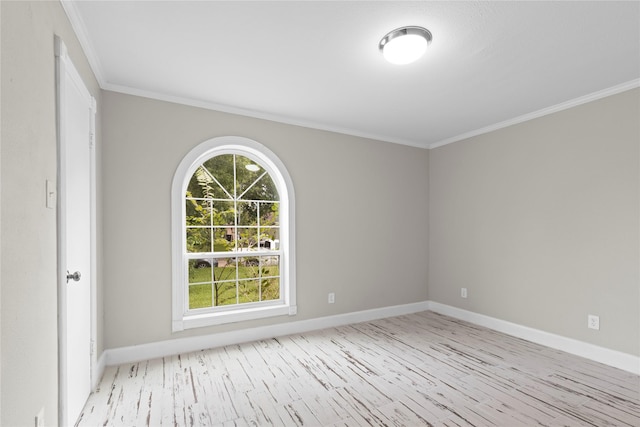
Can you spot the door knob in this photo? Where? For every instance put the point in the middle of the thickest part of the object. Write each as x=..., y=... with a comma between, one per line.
x=73, y=276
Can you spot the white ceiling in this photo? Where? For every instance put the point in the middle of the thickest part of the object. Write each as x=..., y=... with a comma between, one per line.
x=317, y=64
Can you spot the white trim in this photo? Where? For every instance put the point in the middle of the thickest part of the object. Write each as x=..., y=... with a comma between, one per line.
x=279, y=174
x=155, y=350
x=593, y=352
x=236, y=313
x=361, y=134
x=71, y=9
x=98, y=370
x=61, y=70
x=80, y=30
x=78, y=26
x=95, y=379
x=246, y=112
x=64, y=68
x=540, y=113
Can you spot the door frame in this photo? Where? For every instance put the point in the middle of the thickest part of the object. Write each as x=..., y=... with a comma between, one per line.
x=64, y=66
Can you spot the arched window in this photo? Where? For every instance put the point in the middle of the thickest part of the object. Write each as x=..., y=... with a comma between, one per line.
x=233, y=235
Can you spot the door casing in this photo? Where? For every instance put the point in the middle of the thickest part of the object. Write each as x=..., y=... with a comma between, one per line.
x=67, y=74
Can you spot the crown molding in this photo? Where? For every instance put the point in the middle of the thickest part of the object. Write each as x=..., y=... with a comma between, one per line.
x=540, y=113
x=289, y=120
x=79, y=28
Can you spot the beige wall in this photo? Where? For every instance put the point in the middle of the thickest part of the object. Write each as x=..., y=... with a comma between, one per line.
x=29, y=345
x=360, y=213
x=0, y=221
x=540, y=221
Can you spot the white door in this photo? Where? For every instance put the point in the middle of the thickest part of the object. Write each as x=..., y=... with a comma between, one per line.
x=76, y=112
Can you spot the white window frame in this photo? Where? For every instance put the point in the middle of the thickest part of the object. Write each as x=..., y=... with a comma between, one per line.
x=183, y=318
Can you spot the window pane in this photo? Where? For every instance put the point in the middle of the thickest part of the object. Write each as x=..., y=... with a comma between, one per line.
x=247, y=239
x=269, y=214
x=225, y=293
x=198, y=212
x=203, y=184
x=224, y=239
x=247, y=173
x=270, y=238
x=257, y=188
x=200, y=296
x=270, y=266
x=225, y=269
x=247, y=213
x=249, y=291
x=220, y=171
x=270, y=277
x=232, y=211
x=199, y=239
x=270, y=289
x=248, y=170
x=200, y=270
x=200, y=283
x=248, y=266
x=222, y=212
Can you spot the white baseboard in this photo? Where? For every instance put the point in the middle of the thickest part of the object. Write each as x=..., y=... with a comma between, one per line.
x=155, y=350
x=593, y=352
x=117, y=356
x=98, y=370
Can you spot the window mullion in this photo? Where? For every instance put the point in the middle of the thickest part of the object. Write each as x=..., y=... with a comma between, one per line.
x=251, y=186
x=212, y=230
x=235, y=219
x=215, y=180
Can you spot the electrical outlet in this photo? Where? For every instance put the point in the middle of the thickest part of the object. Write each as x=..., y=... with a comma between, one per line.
x=463, y=292
x=331, y=298
x=593, y=322
x=40, y=418
x=50, y=189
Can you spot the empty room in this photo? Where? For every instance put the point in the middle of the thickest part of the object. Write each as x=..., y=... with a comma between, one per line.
x=319, y=213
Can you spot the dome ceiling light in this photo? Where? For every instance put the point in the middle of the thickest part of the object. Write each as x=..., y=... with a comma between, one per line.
x=405, y=45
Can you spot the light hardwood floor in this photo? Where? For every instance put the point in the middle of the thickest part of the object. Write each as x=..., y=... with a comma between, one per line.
x=419, y=369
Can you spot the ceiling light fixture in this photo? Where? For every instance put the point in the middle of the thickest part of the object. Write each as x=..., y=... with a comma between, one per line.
x=405, y=45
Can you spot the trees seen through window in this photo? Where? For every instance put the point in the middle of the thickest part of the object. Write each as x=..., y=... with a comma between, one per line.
x=232, y=233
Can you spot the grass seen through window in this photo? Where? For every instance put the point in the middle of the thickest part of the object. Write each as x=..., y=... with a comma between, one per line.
x=255, y=283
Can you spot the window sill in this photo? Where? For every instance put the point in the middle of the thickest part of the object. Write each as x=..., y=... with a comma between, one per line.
x=211, y=319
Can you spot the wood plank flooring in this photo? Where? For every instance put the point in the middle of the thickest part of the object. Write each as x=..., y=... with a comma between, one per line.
x=413, y=370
